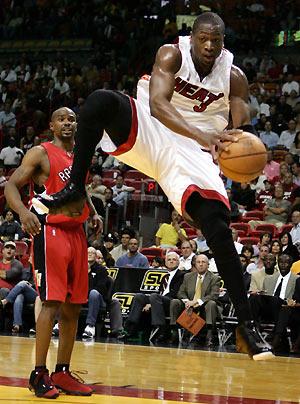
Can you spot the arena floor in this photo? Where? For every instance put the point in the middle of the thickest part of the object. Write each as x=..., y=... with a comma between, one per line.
x=140, y=374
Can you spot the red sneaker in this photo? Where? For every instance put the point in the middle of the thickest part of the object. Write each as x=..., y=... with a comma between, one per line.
x=42, y=385
x=70, y=384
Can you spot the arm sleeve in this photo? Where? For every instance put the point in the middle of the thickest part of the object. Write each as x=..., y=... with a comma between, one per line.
x=15, y=271
x=253, y=284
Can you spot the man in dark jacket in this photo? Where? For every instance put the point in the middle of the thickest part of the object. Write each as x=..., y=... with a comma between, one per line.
x=159, y=303
x=98, y=292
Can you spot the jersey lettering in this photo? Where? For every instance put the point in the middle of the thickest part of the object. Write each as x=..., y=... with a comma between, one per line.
x=65, y=174
x=193, y=92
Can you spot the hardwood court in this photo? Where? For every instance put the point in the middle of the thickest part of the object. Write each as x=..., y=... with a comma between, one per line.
x=129, y=374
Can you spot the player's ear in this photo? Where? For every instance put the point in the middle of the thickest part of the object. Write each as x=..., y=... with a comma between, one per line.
x=51, y=125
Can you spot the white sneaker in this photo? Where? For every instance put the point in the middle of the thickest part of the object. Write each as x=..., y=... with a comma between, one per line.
x=55, y=330
x=89, y=331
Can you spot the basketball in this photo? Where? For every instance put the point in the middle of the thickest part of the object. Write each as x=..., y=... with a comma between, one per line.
x=244, y=160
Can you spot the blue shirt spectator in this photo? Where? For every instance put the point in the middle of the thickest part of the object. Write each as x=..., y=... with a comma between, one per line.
x=133, y=258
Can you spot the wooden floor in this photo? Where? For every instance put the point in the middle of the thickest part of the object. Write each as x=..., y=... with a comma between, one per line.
x=150, y=375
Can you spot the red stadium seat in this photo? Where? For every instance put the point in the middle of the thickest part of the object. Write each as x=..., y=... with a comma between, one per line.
x=150, y=258
x=242, y=226
x=157, y=252
x=253, y=215
x=138, y=185
x=186, y=225
x=108, y=182
x=249, y=240
x=190, y=231
x=110, y=174
x=286, y=227
x=135, y=175
x=21, y=248
x=192, y=236
x=177, y=250
x=266, y=227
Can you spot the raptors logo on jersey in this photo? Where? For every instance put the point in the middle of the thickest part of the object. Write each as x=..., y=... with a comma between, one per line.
x=64, y=175
x=196, y=93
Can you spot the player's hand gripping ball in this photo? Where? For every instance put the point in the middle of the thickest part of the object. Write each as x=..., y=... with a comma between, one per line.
x=245, y=159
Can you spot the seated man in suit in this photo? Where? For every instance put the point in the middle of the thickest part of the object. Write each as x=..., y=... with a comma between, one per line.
x=289, y=315
x=159, y=303
x=278, y=289
x=258, y=277
x=199, y=291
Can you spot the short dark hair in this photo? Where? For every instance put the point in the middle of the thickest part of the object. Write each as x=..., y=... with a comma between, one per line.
x=159, y=260
x=248, y=247
x=244, y=256
x=208, y=18
x=265, y=232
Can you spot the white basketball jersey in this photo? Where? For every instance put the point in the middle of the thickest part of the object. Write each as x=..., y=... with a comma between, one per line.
x=203, y=103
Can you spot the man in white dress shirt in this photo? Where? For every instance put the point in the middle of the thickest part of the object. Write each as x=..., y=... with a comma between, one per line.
x=185, y=262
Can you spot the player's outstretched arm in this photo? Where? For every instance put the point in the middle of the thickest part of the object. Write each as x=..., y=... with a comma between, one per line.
x=34, y=166
x=167, y=63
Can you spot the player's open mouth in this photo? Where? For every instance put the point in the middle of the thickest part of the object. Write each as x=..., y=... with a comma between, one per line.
x=208, y=57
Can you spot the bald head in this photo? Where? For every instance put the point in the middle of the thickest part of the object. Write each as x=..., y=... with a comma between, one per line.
x=61, y=112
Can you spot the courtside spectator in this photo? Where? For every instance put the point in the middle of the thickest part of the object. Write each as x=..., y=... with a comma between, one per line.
x=258, y=277
x=122, y=249
x=185, y=261
x=133, y=258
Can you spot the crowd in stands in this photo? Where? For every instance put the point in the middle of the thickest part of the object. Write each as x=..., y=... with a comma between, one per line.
x=265, y=214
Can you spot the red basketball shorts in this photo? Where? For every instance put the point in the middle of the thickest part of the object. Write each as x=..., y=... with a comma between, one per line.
x=60, y=263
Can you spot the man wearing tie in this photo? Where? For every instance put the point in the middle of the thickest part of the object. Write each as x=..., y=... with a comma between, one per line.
x=277, y=290
x=199, y=292
x=159, y=303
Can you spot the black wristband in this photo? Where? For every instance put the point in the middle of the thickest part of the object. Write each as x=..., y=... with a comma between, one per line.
x=248, y=128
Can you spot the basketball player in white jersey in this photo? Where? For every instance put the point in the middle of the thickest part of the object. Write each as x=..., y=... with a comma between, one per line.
x=170, y=133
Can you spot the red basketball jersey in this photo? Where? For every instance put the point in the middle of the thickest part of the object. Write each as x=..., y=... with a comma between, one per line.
x=60, y=170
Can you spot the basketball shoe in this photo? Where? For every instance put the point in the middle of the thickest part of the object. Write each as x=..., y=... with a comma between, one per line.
x=70, y=384
x=42, y=385
x=69, y=201
x=250, y=341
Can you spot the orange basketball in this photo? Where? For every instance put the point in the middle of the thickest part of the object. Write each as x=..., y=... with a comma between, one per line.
x=245, y=159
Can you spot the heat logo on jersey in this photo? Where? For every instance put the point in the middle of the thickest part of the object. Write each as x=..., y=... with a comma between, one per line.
x=196, y=93
x=152, y=280
x=65, y=174
x=113, y=272
x=125, y=299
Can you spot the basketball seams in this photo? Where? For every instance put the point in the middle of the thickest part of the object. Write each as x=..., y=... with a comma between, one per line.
x=246, y=155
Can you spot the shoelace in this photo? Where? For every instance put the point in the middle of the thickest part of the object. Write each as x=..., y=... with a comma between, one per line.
x=75, y=375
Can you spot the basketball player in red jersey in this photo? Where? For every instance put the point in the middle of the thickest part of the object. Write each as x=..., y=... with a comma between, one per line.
x=59, y=252
x=179, y=117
